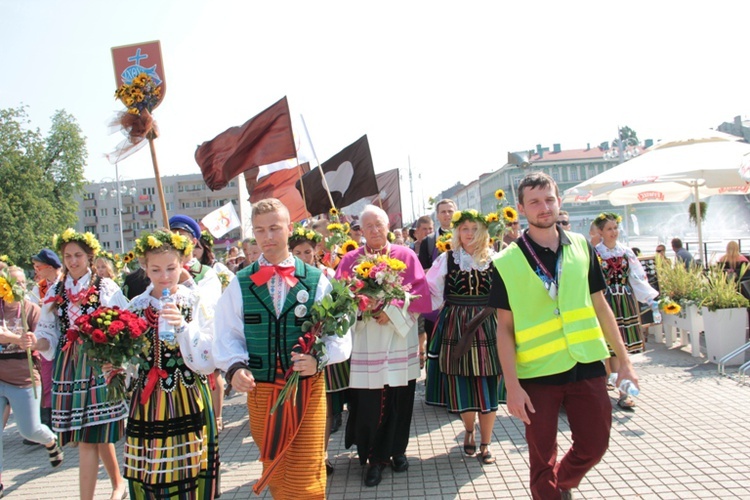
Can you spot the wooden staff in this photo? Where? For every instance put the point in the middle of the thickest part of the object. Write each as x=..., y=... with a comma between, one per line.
x=320, y=167
x=165, y=216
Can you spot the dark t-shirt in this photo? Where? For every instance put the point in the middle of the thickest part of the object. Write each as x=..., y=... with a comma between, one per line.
x=596, y=283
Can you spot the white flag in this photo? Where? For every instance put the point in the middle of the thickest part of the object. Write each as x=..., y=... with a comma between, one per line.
x=222, y=220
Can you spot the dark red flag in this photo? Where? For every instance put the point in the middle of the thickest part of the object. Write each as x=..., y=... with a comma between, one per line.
x=390, y=196
x=280, y=184
x=265, y=138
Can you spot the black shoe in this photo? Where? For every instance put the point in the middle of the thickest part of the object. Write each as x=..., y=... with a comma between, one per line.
x=400, y=463
x=336, y=424
x=329, y=467
x=374, y=475
x=566, y=495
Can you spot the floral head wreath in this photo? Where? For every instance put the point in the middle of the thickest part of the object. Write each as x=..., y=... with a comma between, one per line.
x=208, y=238
x=467, y=215
x=300, y=232
x=4, y=258
x=607, y=216
x=152, y=241
x=70, y=234
x=115, y=259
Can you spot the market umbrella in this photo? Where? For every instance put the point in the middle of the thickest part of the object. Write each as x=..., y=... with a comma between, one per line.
x=698, y=165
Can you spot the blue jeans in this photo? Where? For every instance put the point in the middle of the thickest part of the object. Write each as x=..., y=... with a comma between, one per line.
x=26, y=409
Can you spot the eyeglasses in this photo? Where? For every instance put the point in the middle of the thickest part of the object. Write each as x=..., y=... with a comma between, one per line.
x=564, y=222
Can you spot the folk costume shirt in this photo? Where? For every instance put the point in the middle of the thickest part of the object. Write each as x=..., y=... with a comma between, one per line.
x=635, y=275
x=230, y=346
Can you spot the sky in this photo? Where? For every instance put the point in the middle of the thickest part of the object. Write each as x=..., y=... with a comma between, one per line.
x=446, y=87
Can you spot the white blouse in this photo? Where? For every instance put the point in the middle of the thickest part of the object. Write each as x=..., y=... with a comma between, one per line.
x=636, y=275
x=436, y=274
x=196, y=337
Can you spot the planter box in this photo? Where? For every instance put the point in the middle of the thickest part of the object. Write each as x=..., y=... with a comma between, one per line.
x=689, y=321
x=726, y=330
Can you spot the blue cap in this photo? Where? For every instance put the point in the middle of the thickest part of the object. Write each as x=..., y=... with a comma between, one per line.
x=186, y=224
x=47, y=256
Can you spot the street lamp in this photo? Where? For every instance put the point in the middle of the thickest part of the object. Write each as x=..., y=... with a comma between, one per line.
x=119, y=191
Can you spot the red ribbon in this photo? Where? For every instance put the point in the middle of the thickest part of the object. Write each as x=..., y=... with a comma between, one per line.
x=153, y=377
x=264, y=274
x=113, y=373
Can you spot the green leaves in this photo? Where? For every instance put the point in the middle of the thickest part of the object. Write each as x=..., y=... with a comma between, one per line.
x=39, y=180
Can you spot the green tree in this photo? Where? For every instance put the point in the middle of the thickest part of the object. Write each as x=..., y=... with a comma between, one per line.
x=39, y=179
x=628, y=136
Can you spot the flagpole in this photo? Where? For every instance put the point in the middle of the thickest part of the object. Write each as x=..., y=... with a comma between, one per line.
x=162, y=201
x=315, y=155
x=302, y=184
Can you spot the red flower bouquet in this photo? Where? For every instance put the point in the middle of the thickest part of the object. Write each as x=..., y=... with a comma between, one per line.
x=110, y=336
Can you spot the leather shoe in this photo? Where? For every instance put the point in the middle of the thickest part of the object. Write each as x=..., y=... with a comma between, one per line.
x=374, y=475
x=400, y=463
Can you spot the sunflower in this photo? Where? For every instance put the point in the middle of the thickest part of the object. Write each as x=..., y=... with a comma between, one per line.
x=6, y=291
x=349, y=245
x=333, y=212
x=178, y=241
x=440, y=245
x=672, y=308
x=456, y=216
x=448, y=246
x=491, y=217
x=396, y=265
x=128, y=257
x=510, y=214
x=499, y=194
x=335, y=227
x=363, y=269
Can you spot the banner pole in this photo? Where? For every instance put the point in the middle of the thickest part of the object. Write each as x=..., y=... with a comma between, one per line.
x=162, y=202
x=315, y=155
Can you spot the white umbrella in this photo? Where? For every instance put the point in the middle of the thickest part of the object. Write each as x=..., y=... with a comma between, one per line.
x=698, y=165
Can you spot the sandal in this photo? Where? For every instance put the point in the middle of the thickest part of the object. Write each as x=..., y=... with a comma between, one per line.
x=469, y=449
x=485, y=456
x=626, y=403
x=56, y=455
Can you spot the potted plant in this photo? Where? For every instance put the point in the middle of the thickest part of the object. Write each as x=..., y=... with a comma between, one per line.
x=687, y=288
x=724, y=315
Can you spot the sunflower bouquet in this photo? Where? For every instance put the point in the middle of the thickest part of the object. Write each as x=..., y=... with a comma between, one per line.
x=443, y=243
x=142, y=94
x=378, y=283
x=338, y=241
x=109, y=336
x=499, y=220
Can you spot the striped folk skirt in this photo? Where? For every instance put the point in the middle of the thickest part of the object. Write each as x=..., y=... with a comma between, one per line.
x=472, y=382
x=293, y=465
x=80, y=410
x=172, y=444
x=627, y=313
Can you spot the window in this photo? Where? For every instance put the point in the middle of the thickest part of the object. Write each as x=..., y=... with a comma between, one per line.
x=180, y=189
x=105, y=228
x=168, y=189
x=103, y=212
x=117, y=228
x=148, y=190
x=89, y=196
x=574, y=174
x=170, y=206
x=117, y=244
x=89, y=229
x=89, y=212
x=105, y=244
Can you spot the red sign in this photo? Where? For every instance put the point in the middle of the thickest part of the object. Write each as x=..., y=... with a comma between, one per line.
x=131, y=60
x=651, y=195
x=642, y=180
x=734, y=189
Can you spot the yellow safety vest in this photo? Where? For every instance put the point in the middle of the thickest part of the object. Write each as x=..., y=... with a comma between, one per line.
x=552, y=335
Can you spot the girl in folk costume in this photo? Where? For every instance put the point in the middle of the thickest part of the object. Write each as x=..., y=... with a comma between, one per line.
x=81, y=412
x=460, y=279
x=171, y=445
x=626, y=286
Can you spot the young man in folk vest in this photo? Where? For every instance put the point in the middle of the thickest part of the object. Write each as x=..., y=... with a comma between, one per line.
x=554, y=325
x=258, y=321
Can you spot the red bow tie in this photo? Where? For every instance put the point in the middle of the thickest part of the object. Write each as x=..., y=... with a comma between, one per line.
x=264, y=274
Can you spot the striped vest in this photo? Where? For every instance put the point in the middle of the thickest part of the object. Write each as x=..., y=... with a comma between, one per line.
x=270, y=338
x=552, y=335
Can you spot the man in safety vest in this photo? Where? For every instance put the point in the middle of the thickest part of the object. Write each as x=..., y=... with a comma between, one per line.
x=553, y=328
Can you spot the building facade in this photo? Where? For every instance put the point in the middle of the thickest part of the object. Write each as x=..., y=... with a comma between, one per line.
x=117, y=222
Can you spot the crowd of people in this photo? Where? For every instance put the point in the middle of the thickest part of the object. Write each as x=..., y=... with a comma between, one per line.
x=490, y=322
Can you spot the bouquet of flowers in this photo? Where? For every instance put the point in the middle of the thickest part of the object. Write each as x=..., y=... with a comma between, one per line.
x=378, y=282
x=333, y=315
x=142, y=94
x=443, y=243
x=110, y=336
x=338, y=241
x=224, y=279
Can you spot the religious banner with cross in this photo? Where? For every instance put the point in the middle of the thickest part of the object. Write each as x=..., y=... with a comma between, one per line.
x=131, y=60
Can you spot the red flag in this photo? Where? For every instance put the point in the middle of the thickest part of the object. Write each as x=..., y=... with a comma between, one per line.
x=390, y=196
x=265, y=138
x=280, y=184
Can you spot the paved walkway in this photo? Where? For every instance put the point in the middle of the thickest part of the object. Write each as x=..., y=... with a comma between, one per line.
x=689, y=438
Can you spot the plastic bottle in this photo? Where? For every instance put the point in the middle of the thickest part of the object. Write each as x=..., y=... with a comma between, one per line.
x=626, y=387
x=655, y=311
x=166, y=331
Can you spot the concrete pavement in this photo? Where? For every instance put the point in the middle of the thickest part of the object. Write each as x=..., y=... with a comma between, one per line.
x=689, y=438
